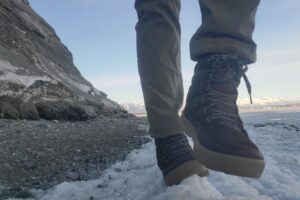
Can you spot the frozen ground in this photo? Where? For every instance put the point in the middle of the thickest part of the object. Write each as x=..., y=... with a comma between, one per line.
x=138, y=178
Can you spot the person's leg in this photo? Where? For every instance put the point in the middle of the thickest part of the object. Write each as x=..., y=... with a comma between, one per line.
x=222, y=46
x=158, y=50
x=227, y=27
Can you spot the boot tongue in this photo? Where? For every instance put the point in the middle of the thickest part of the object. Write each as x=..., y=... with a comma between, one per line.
x=226, y=81
x=224, y=72
x=226, y=88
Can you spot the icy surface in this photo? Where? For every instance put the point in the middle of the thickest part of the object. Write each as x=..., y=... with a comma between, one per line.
x=138, y=178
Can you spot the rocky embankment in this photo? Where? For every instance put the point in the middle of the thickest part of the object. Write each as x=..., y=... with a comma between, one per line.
x=42, y=93
x=38, y=78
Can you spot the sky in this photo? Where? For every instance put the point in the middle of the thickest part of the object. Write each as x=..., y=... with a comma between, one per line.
x=101, y=36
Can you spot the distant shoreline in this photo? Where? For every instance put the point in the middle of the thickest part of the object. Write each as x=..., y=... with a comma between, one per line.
x=287, y=108
x=252, y=110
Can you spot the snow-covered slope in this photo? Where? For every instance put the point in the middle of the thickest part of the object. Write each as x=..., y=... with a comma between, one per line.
x=138, y=177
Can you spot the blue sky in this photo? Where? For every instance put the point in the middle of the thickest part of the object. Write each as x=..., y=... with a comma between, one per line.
x=101, y=36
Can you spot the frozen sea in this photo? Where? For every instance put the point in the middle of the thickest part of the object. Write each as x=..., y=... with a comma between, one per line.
x=138, y=178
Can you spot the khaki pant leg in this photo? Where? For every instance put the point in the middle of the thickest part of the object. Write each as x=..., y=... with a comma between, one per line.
x=158, y=53
x=227, y=27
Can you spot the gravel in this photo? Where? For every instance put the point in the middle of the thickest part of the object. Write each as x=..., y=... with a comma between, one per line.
x=41, y=154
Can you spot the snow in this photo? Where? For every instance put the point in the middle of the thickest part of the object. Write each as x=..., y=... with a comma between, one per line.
x=22, y=79
x=11, y=75
x=74, y=83
x=138, y=177
x=7, y=66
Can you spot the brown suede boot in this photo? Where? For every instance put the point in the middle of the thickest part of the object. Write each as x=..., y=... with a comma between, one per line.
x=211, y=117
x=176, y=160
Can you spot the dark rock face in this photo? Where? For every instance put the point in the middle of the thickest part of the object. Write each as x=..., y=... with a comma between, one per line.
x=37, y=76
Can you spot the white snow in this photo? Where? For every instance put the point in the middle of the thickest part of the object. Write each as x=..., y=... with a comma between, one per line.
x=23, y=80
x=74, y=83
x=7, y=66
x=11, y=75
x=138, y=177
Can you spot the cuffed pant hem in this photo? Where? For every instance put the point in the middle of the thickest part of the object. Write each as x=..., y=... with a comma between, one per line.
x=209, y=46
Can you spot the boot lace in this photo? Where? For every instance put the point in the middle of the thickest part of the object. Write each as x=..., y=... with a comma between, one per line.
x=224, y=69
